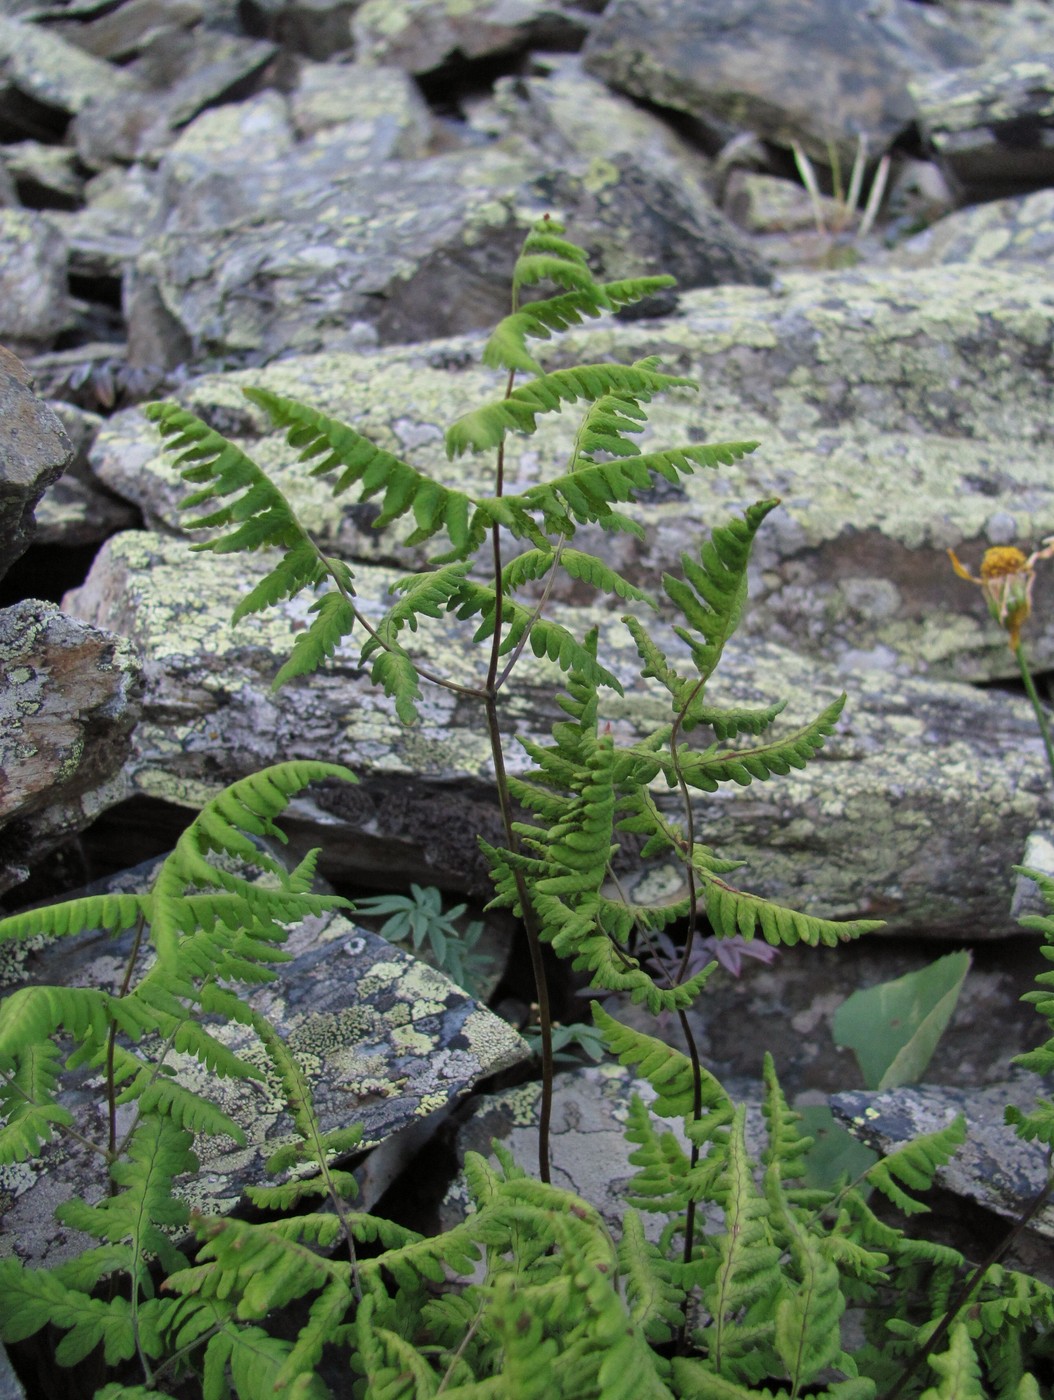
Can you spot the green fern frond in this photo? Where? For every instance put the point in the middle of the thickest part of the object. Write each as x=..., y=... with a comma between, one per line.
x=660, y=1181
x=809, y=1312
x=668, y=1072
x=958, y=1369
x=915, y=1164
x=746, y=1267
x=727, y=723
x=485, y=428
x=112, y=912
x=157, y=1152
x=732, y=912
x=31, y=1015
x=33, y=1298
x=708, y=770
x=787, y=1147
x=29, y=1104
x=434, y=507
x=506, y=347
x=334, y=619
x=535, y=564
x=656, y=1304
x=713, y=591
x=155, y=1093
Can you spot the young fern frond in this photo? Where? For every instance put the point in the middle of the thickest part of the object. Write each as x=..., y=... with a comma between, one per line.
x=536, y=563
x=668, y=1072
x=787, y=1147
x=660, y=1182
x=713, y=591
x=485, y=428
x=29, y=1102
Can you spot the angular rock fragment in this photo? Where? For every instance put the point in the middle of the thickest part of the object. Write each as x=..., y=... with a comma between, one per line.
x=69, y=703
x=34, y=451
x=34, y=287
x=419, y=36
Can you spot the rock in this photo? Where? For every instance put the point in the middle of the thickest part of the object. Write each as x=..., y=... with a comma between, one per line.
x=319, y=29
x=945, y=781
x=386, y=1042
x=419, y=36
x=122, y=33
x=67, y=710
x=46, y=176
x=884, y=403
x=34, y=292
x=1038, y=855
x=991, y=127
x=34, y=451
x=993, y=1167
x=1019, y=230
x=405, y=250
x=44, y=81
x=77, y=509
x=376, y=113
x=812, y=71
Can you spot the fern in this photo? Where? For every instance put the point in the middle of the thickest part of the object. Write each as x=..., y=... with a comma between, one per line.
x=915, y=1164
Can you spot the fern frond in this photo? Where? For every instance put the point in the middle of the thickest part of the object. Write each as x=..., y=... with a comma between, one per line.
x=668, y=1072
x=506, y=348
x=708, y=770
x=485, y=428
x=155, y=1093
x=33, y=1298
x=915, y=1164
x=113, y=912
x=536, y=563
x=157, y=1152
x=31, y=1015
x=334, y=619
x=656, y=1304
x=29, y=1104
x=787, y=1147
x=434, y=507
x=713, y=591
x=746, y=1268
x=958, y=1368
x=732, y=912
x=727, y=723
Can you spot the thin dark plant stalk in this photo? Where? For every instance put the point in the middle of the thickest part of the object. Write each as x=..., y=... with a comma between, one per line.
x=1037, y=705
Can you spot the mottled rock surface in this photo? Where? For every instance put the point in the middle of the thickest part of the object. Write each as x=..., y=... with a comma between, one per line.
x=946, y=782
x=69, y=702
x=813, y=71
x=420, y=36
x=34, y=292
x=385, y=1040
x=883, y=402
x=34, y=451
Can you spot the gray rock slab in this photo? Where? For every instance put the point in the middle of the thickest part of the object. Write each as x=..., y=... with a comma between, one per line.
x=945, y=781
x=884, y=403
x=993, y=1167
x=46, y=175
x=378, y=111
x=1018, y=230
x=992, y=126
x=69, y=702
x=34, y=451
x=319, y=29
x=76, y=509
x=51, y=73
x=34, y=289
x=419, y=36
x=813, y=71
x=122, y=33
x=302, y=255
x=386, y=1041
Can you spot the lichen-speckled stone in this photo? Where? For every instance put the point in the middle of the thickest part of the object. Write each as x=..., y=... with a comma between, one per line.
x=993, y=1167
x=68, y=704
x=34, y=292
x=384, y=1039
x=49, y=70
x=898, y=415
x=914, y=812
x=34, y=451
x=815, y=71
x=1017, y=231
x=992, y=126
x=422, y=35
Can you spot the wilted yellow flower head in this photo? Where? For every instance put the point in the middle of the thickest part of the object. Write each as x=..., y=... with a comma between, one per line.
x=1006, y=581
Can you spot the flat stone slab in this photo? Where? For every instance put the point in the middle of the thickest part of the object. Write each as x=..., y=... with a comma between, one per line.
x=386, y=1041
x=994, y=1167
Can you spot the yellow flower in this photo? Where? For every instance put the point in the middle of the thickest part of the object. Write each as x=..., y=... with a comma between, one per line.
x=1006, y=581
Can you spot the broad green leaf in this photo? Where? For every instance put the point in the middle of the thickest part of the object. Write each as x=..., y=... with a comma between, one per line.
x=893, y=1029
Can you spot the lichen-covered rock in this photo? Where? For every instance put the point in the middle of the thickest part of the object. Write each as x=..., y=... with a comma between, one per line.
x=813, y=71
x=34, y=289
x=421, y=36
x=992, y=126
x=67, y=709
x=385, y=1041
x=993, y=1167
x=1018, y=231
x=915, y=812
x=377, y=113
x=34, y=451
x=898, y=416
x=408, y=250
x=77, y=509
x=124, y=32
